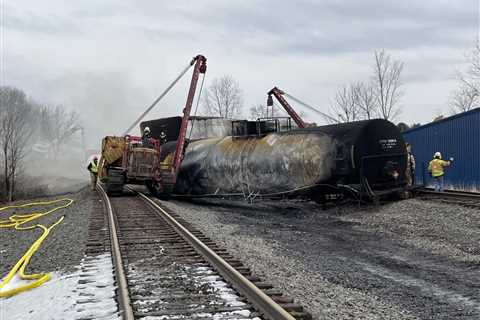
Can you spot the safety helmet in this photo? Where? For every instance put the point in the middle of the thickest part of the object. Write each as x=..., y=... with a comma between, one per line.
x=147, y=129
x=437, y=155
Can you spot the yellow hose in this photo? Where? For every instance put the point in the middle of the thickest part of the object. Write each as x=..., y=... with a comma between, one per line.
x=17, y=221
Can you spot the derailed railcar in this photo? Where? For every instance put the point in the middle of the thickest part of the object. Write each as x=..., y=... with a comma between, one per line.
x=270, y=164
x=261, y=158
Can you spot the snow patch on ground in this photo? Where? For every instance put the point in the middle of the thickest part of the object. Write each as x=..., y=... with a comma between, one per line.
x=86, y=293
x=224, y=292
x=43, y=302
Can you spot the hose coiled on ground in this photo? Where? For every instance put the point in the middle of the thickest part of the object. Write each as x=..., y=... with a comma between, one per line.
x=18, y=222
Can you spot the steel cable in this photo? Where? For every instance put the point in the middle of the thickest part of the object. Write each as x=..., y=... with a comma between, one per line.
x=196, y=107
x=159, y=98
x=311, y=108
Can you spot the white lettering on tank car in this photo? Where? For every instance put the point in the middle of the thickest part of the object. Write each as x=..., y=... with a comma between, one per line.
x=388, y=143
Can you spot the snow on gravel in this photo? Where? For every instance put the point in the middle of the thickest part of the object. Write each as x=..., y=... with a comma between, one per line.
x=221, y=289
x=45, y=302
x=189, y=279
x=86, y=293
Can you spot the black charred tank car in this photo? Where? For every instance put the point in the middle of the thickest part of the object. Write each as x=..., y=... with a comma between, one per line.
x=266, y=158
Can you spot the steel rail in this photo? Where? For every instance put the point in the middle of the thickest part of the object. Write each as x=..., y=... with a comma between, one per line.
x=264, y=304
x=450, y=194
x=125, y=307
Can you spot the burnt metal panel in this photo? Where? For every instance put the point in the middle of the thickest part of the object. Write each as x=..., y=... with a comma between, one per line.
x=198, y=127
x=458, y=137
x=171, y=127
x=208, y=127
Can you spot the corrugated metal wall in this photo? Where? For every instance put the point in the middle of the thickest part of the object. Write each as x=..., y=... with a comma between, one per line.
x=458, y=137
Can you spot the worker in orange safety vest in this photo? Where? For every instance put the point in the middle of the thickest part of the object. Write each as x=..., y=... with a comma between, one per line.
x=435, y=168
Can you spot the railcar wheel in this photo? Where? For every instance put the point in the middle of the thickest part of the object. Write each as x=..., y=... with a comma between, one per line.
x=153, y=188
x=158, y=191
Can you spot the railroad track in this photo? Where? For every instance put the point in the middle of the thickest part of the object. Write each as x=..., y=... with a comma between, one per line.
x=166, y=269
x=467, y=199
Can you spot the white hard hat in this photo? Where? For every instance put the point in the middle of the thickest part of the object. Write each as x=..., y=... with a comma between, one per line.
x=437, y=154
x=146, y=129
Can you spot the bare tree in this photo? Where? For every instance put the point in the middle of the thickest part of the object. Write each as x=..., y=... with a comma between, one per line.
x=471, y=78
x=364, y=96
x=344, y=107
x=258, y=111
x=467, y=95
x=58, y=125
x=223, y=98
x=464, y=99
x=387, y=85
x=16, y=129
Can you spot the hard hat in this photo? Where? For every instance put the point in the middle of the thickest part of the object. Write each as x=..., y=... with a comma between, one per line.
x=147, y=129
x=437, y=155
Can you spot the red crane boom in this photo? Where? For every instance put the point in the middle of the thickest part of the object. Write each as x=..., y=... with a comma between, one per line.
x=291, y=112
x=200, y=67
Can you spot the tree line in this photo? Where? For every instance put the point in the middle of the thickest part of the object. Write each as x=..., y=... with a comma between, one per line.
x=23, y=123
x=377, y=97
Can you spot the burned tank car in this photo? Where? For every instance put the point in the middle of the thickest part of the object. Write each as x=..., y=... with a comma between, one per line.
x=370, y=155
x=367, y=157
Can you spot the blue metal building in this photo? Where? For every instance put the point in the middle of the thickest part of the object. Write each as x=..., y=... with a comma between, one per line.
x=457, y=136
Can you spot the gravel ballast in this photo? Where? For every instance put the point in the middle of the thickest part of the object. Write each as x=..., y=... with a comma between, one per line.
x=64, y=247
x=405, y=260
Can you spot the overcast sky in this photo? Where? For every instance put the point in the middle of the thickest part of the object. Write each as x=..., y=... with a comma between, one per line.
x=110, y=59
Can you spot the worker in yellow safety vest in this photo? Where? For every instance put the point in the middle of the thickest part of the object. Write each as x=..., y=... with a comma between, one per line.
x=435, y=168
x=93, y=168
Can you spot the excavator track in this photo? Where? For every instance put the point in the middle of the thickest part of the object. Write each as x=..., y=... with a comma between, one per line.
x=115, y=181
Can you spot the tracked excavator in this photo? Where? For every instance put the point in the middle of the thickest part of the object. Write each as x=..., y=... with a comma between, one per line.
x=129, y=159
